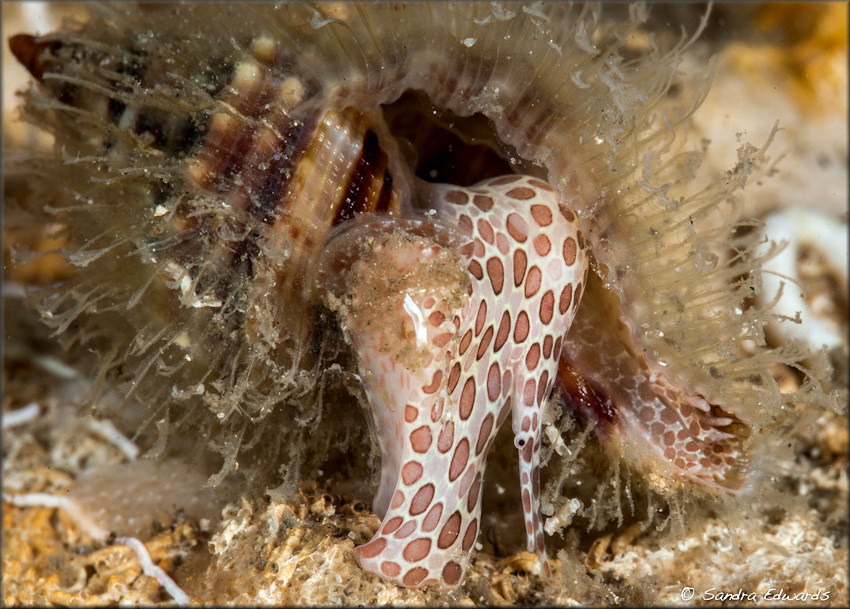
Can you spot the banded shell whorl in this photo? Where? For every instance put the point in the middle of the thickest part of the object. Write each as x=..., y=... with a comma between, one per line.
x=205, y=154
x=236, y=193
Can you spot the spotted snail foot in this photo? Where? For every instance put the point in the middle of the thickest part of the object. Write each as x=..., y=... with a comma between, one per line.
x=456, y=323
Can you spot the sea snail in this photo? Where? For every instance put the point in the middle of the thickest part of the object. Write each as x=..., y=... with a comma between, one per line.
x=204, y=154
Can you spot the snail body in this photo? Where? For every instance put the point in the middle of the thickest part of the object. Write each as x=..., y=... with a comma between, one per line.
x=205, y=154
x=443, y=370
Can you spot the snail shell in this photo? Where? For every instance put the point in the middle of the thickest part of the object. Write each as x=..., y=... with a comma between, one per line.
x=204, y=154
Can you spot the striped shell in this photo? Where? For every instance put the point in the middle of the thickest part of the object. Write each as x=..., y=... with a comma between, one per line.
x=205, y=153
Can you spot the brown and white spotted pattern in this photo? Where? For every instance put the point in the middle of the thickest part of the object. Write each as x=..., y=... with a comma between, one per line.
x=442, y=373
x=602, y=372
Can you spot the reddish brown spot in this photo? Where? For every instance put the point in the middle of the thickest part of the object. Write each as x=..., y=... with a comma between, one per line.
x=390, y=568
x=392, y=525
x=482, y=316
x=414, y=577
x=521, y=327
x=373, y=548
x=406, y=529
x=669, y=438
x=447, y=437
x=464, y=342
x=482, y=202
x=458, y=197
x=547, y=307
x=532, y=358
x=452, y=573
x=441, y=340
x=521, y=192
x=496, y=272
x=420, y=439
x=542, y=386
x=520, y=262
x=436, y=318
x=410, y=413
x=532, y=282
x=526, y=501
x=478, y=250
x=540, y=184
x=398, y=499
x=432, y=518
x=422, y=499
x=504, y=180
x=476, y=270
x=411, y=472
x=465, y=222
x=466, y=250
x=466, y=481
x=502, y=243
x=547, y=346
x=517, y=227
x=435, y=382
x=472, y=498
x=484, y=433
x=504, y=330
x=486, y=231
x=467, y=400
x=449, y=532
x=528, y=391
x=454, y=375
x=668, y=416
x=494, y=382
x=577, y=296
x=566, y=298
x=570, y=249
x=568, y=214
x=469, y=536
x=459, y=459
x=542, y=245
x=485, y=343
x=541, y=214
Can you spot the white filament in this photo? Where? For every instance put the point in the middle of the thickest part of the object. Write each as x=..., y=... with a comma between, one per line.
x=418, y=320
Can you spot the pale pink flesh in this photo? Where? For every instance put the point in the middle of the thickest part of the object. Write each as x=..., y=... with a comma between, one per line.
x=437, y=414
